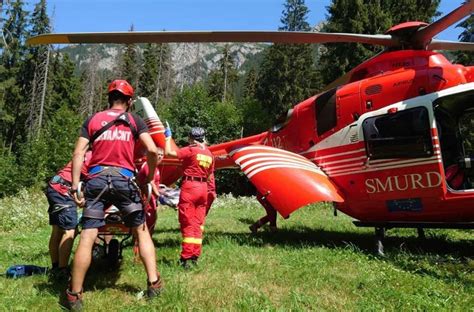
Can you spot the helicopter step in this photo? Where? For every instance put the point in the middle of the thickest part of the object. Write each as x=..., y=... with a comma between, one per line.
x=381, y=227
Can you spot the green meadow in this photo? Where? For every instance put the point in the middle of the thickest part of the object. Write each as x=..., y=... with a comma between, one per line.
x=315, y=262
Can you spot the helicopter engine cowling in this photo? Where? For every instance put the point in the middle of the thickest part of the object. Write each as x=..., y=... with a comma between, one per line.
x=287, y=180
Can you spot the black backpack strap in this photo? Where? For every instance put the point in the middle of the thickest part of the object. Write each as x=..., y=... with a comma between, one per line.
x=122, y=118
x=125, y=118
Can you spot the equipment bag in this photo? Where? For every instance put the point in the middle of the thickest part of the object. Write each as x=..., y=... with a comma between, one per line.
x=16, y=271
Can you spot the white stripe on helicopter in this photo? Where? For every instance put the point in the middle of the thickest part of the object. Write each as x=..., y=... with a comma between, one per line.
x=245, y=158
x=281, y=162
x=382, y=162
x=385, y=168
x=275, y=158
x=286, y=166
x=337, y=154
x=267, y=148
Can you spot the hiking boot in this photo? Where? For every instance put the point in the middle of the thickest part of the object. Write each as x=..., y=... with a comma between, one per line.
x=273, y=229
x=194, y=261
x=253, y=228
x=154, y=289
x=74, y=300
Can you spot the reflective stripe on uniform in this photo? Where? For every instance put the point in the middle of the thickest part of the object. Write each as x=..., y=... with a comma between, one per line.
x=192, y=240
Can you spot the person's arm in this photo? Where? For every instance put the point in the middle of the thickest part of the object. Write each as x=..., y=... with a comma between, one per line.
x=77, y=162
x=168, y=150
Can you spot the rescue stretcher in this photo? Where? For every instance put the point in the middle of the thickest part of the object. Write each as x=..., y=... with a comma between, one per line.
x=112, y=237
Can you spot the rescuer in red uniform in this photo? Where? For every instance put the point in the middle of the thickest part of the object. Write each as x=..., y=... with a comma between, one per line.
x=270, y=217
x=112, y=134
x=62, y=218
x=198, y=165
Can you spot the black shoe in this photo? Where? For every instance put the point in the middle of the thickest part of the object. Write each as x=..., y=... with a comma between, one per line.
x=185, y=263
x=154, y=289
x=60, y=274
x=253, y=228
x=194, y=261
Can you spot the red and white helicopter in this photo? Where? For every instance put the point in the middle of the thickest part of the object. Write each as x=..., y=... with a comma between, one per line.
x=390, y=143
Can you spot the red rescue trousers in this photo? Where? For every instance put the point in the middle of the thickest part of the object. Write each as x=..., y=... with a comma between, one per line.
x=192, y=213
x=211, y=196
x=271, y=216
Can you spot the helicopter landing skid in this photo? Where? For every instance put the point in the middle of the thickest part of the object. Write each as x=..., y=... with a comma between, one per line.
x=381, y=227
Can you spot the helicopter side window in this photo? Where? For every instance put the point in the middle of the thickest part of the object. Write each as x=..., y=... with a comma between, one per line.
x=405, y=134
x=326, y=117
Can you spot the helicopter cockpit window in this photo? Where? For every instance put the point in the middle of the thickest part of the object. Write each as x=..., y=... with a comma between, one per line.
x=326, y=117
x=404, y=134
x=282, y=121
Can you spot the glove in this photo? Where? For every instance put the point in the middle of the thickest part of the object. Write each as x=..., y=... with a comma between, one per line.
x=167, y=130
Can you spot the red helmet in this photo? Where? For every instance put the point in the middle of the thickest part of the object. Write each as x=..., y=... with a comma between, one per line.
x=122, y=86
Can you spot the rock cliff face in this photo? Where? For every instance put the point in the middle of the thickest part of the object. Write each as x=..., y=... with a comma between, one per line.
x=186, y=57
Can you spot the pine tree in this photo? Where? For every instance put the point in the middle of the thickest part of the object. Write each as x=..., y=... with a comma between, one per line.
x=250, y=83
x=66, y=87
x=467, y=35
x=149, y=74
x=294, y=16
x=366, y=17
x=129, y=65
x=222, y=80
x=287, y=73
x=92, y=85
x=155, y=82
x=12, y=57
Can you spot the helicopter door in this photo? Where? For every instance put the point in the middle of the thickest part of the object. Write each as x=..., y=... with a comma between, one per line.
x=401, y=164
x=454, y=116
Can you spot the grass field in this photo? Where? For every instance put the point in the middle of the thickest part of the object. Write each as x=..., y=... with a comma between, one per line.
x=314, y=262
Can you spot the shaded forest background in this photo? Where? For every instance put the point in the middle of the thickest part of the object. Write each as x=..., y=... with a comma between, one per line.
x=45, y=95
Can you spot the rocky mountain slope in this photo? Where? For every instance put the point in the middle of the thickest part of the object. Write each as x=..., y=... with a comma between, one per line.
x=185, y=56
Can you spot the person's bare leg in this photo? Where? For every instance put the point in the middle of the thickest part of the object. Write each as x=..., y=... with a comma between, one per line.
x=65, y=247
x=82, y=259
x=147, y=251
x=54, y=241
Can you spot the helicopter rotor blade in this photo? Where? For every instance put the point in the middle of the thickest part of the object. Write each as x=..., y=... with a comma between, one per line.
x=211, y=36
x=424, y=35
x=451, y=45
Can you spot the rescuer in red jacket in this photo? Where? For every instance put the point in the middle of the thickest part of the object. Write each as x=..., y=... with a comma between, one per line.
x=198, y=166
x=62, y=218
x=112, y=135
